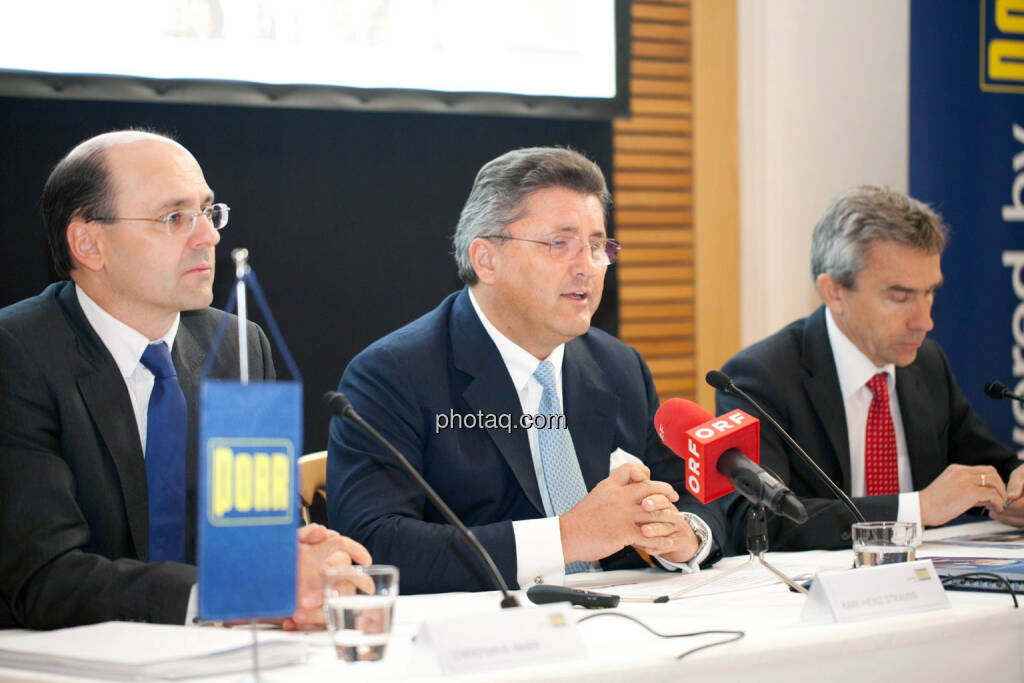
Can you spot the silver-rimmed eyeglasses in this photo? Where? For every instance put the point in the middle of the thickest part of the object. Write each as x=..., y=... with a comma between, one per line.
x=603, y=251
x=181, y=222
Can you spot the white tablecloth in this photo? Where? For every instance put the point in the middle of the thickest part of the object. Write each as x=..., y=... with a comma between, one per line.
x=980, y=639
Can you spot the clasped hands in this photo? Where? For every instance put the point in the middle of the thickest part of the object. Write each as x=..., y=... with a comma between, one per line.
x=627, y=508
x=319, y=547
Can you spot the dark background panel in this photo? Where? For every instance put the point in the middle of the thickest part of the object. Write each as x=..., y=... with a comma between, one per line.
x=347, y=215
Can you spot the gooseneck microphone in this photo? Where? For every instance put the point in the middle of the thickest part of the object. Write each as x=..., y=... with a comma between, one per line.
x=722, y=382
x=997, y=390
x=339, y=406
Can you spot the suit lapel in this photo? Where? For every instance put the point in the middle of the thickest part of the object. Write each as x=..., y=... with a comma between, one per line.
x=921, y=447
x=590, y=412
x=105, y=396
x=189, y=355
x=490, y=390
x=823, y=390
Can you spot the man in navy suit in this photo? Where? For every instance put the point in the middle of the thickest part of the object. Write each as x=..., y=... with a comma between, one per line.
x=132, y=224
x=457, y=391
x=862, y=389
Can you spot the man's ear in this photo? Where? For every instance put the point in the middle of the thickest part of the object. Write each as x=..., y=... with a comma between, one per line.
x=482, y=255
x=83, y=244
x=830, y=292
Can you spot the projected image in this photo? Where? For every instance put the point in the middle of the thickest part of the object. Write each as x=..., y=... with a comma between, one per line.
x=529, y=47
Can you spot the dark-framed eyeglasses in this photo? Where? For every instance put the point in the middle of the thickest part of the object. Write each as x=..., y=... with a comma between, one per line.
x=180, y=222
x=603, y=251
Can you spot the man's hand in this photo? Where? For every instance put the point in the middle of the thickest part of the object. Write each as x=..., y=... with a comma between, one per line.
x=674, y=539
x=1014, y=512
x=612, y=516
x=319, y=547
x=958, y=489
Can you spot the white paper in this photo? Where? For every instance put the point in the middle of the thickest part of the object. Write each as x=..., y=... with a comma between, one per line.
x=130, y=650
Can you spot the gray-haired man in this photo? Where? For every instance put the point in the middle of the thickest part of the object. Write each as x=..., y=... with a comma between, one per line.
x=859, y=386
x=458, y=390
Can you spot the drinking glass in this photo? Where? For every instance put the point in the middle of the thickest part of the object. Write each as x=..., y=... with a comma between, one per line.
x=360, y=603
x=877, y=543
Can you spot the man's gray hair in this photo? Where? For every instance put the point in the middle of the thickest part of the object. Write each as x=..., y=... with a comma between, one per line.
x=503, y=185
x=867, y=214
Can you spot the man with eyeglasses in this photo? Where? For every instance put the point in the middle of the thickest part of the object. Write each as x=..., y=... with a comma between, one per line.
x=459, y=390
x=98, y=380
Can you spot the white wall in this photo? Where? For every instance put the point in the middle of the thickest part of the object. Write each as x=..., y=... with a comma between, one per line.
x=823, y=105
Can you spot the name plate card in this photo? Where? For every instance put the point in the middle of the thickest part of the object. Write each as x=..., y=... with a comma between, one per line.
x=874, y=592
x=511, y=637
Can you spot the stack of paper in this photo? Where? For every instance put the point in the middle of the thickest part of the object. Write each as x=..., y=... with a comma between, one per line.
x=127, y=651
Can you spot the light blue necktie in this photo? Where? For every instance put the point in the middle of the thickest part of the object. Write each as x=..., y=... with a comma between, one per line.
x=166, y=430
x=562, y=475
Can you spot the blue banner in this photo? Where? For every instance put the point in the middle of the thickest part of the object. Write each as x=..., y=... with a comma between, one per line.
x=250, y=437
x=967, y=161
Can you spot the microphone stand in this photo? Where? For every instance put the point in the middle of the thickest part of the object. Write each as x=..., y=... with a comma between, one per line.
x=757, y=546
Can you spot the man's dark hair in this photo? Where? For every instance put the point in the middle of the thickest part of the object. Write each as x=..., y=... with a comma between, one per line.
x=79, y=187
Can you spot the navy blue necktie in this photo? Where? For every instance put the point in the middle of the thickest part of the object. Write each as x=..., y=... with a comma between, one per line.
x=166, y=433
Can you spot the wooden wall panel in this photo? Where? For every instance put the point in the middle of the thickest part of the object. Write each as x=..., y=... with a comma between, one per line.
x=716, y=183
x=653, y=163
x=676, y=208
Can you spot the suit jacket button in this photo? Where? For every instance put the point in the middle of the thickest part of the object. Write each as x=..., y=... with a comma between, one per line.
x=845, y=536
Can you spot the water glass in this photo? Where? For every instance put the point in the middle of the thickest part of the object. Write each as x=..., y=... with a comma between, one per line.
x=877, y=543
x=360, y=603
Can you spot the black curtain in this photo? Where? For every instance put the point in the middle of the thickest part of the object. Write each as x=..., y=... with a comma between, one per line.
x=347, y=215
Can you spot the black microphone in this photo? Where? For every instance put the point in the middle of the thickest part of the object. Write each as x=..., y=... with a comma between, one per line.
x=997, y=390
x=759, y=487
x=339, y=406
x=721, y=381
x=542, y=594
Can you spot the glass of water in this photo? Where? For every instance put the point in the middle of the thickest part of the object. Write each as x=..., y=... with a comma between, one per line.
x=883, y=543
x=360, y=605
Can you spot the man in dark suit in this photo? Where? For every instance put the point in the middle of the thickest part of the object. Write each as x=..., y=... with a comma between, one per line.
x=457, y=389
x=132, y=223
x=859, y=386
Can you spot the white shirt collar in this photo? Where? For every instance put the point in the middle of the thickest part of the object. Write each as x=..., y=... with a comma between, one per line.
x=852, y=366
x=126, y=344
x=521, y=363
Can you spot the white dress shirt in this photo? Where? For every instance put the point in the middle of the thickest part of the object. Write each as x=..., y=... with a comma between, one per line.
x=854, y=370
x=539, y=557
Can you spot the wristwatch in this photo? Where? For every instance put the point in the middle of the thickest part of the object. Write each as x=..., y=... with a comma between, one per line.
x=703, y=534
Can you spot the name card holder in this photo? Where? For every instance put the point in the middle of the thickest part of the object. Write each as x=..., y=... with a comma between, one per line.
x=511, y=637
x=874, y=592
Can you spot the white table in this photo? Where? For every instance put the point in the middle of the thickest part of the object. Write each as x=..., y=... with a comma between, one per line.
x=980, y=639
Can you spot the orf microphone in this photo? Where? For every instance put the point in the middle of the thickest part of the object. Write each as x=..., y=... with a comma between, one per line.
x=714, y=450
x=339, y=406
x=722, y=382
x=997, y=390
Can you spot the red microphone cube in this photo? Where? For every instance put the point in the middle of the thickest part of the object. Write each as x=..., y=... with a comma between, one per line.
x=706, y=442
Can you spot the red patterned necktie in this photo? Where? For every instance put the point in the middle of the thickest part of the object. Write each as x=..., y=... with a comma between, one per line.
x=881, y=474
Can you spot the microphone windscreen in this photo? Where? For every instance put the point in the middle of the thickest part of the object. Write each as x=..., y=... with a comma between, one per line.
x=718, y=380
x=674, y=417
x=996, y=389
x=678, y=415
x=336, y=403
